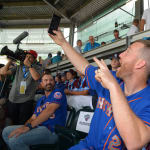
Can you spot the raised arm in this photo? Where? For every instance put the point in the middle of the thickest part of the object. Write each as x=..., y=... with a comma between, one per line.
x=5, y=70
x=76, y=59
x=35, y=75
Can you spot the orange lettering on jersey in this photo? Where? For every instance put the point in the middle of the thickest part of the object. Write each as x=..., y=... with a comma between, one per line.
x=105, y=106
x=109, y=109
x=115, y=142
x=100, y=103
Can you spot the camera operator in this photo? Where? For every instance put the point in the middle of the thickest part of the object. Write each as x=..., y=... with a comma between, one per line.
x=20, y=106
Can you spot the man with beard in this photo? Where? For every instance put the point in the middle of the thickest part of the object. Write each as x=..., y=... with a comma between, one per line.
x=122, y=115
x=50, y=110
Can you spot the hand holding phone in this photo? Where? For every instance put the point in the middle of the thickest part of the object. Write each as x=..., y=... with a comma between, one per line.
x=54, y=24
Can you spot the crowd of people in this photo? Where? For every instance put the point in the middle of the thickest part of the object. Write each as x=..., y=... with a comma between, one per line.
x=122, y=111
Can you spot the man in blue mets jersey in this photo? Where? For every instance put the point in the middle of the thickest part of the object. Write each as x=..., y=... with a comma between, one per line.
x=50, y=110
x=122, y=116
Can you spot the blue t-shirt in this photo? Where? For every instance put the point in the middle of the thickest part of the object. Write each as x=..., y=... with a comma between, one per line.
x=88, y=46
x=56, y=59
x=59, y=117
x=103, y=133
x=146, y=38
x=114, y=40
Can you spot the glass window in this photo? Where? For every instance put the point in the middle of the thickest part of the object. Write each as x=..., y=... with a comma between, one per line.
x=103, y=28
x=37, y=40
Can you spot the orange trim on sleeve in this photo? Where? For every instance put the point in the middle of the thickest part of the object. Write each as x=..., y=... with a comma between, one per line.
x=147, y=122
x=134, y=99
x=108, y=137
x=87, y=77
x=108, y=122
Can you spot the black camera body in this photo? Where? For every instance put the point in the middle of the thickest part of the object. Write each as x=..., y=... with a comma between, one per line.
x=19, y=54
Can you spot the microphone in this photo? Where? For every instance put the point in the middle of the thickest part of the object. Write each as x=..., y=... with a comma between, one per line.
x=19, y=38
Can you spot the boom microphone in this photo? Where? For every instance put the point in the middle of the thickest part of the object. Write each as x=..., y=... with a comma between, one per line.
x=20, y=37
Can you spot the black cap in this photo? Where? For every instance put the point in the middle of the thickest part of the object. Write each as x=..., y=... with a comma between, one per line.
x=115, y=56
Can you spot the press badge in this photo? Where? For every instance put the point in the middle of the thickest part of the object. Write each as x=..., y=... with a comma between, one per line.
x=22, y=87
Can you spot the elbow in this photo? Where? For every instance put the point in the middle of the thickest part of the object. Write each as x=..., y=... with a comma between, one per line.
x=134, y=145
x=36, y=78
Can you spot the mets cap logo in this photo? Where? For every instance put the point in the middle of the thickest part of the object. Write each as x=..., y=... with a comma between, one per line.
x=86, y=117
x=57, y=95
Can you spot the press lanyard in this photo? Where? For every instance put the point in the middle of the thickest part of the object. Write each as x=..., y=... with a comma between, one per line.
x=25, y=74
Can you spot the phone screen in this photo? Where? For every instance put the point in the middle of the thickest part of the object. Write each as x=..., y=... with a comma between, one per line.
x=54, y=24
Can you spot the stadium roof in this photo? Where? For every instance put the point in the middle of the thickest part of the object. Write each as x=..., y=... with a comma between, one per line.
x=37, y=13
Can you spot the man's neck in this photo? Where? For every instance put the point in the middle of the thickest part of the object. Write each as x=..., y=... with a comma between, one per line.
x=134, y=85
x=47, y=93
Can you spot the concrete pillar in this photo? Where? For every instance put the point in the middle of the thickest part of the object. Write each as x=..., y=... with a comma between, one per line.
x=139, y=8
x=71, y=34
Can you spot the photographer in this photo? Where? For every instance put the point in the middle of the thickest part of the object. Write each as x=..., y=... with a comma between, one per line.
x=20, y=106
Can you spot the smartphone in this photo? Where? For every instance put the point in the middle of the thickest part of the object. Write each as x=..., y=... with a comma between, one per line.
x=54, y=24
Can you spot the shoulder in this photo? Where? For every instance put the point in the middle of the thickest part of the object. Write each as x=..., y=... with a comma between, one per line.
x=58, y=93
x=146, y=12
x=87, y=44
x=97, y=44
x=90, y=68
x=40, y=99
x=113, y=40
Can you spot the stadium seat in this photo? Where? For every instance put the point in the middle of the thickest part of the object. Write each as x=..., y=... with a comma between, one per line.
x=78, y=130
x=70, y=115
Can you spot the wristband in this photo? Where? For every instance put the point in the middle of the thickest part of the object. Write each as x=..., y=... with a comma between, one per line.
x=29, y=126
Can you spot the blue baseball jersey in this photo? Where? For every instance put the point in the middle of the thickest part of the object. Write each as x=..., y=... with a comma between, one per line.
x=89, y=47
x=103, y=134
x=59, y=117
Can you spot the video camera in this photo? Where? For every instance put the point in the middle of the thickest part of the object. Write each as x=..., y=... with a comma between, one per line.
x=19, y=54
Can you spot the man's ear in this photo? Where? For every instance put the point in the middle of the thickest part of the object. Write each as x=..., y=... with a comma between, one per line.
x=140, y=64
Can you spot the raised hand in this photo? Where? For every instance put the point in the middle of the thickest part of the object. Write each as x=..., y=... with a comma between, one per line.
x=103, y=75
x=27, y=62
x=58, y=38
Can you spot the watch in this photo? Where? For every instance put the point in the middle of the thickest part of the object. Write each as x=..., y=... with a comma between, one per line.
x=29, y=126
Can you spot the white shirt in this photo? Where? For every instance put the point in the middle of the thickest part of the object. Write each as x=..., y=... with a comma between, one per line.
x=133, y=30
x=146, y=17
x=78, y=49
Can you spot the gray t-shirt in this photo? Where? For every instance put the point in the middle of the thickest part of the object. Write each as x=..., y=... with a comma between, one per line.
x=31, y=84
x=46, y=62
x=78, y=49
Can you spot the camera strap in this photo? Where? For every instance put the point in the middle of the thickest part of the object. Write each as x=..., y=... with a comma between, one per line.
x=25, y=74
